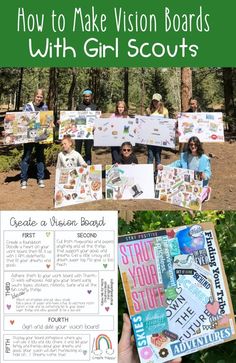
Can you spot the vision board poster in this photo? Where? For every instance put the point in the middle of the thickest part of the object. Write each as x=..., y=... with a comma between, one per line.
x=127, y=181
x=78, y=185
x=176, y=291
x=78, y=124
x=58, y=286
x=181, y=187
x=207, y=126
x=25, y=127
x=114, y=131
x=157, y=131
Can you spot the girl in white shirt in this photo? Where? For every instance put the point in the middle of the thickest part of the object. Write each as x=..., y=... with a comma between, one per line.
x=68, y=157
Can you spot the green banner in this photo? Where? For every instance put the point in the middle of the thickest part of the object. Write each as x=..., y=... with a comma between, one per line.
x=159, y=33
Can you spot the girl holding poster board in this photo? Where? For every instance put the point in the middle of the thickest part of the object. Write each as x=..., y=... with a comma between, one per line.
x=36, y=105
x=127, y=155
x=156, y=109
x=195, y=159
x=121, y=111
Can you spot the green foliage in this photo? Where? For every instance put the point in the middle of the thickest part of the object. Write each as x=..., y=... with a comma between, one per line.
x=208, y=87
x=108, y=86
x=51, y=153
x=8, y=80
x=225, y=225
x=10, y=160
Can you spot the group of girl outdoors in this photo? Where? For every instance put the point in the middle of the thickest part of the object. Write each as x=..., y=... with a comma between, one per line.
x=192, y=158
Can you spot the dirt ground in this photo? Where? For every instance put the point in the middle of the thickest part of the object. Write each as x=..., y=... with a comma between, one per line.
x=223, y=183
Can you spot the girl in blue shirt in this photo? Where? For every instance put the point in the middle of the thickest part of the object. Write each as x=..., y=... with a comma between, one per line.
x=195, y=159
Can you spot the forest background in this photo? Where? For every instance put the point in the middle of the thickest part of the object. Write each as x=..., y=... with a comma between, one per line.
x=214, y=88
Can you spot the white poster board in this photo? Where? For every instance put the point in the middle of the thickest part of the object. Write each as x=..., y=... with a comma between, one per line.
x=158, y=131
x=181, y=187
x=78, y=185
x=114, y=131
x=207, y=126
x=133, y=181
x=77, y=124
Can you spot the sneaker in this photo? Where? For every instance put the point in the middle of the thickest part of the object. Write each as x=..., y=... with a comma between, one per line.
x=41, y=184
x=23, y=185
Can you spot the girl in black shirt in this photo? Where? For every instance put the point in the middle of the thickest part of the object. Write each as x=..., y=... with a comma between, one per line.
x=127, y=155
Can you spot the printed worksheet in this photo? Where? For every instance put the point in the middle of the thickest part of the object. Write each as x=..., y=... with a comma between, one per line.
x=58, y=286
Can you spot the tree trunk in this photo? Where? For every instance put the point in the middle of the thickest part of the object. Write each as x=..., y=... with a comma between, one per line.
x=126, y=86
x=53, y=91
x=71, y=99
x=94, y=83
x=228, y=91
x=186, y=87
x=142, y=91
x=18, y=93
x=230, y=108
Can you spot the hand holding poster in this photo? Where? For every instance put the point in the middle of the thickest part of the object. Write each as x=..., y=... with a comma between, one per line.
x=128, y=182
x=114, y=131
x=176, y=291
x=25, y=127
x=207, y=126
x=158, y=131
x=181, y=187
x=78, y=185
x=77, y=124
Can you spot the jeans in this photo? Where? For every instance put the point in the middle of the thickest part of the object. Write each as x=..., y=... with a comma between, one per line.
x=88, y=144
x=154, y=153
x=39, y=150
x=115, y=154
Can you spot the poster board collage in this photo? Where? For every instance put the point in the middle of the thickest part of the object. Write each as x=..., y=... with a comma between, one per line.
x=116, y=261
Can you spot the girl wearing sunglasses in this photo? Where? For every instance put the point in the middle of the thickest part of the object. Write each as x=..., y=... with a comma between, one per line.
x=127, y=155
x=195, y=159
